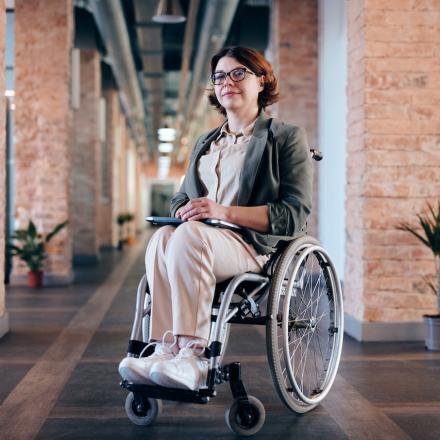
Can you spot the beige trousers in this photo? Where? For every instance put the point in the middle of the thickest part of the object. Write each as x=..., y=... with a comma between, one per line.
x=183, y=265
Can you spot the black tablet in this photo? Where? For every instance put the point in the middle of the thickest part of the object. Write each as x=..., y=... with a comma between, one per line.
x=162, y=221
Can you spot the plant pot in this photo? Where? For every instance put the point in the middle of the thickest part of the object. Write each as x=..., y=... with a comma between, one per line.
x=130, y=240
x=432, y=331
x=35, y=278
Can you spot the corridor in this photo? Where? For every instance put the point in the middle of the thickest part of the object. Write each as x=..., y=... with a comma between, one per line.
x=60, y=360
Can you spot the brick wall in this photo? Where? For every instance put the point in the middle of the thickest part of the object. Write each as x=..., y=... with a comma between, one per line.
x=2, y=156
x=108, y=224
x=43, y=125
x=116, y=190
x=139, y=222
x=393, y=160
x=294, y=54
x=86, y=179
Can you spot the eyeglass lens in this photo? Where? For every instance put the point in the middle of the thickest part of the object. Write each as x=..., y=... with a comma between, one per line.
x=235, y=75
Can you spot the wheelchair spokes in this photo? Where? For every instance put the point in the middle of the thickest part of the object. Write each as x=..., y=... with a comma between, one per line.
x=307, y=333
x=304, y=332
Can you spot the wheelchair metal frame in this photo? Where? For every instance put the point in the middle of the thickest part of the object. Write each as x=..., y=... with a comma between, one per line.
x=224, y=312
x=293, y=312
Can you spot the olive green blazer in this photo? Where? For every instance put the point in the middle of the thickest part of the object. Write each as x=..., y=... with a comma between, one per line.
x=277, y=172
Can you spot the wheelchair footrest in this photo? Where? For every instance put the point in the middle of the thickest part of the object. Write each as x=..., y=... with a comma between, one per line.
x=200, y=396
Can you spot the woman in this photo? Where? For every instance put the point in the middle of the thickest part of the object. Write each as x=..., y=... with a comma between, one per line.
x=253, y=171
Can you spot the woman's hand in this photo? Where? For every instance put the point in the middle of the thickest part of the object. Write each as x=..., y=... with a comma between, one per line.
x=201, y=208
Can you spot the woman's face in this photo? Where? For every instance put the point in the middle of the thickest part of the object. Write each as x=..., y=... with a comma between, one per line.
x=234, y=96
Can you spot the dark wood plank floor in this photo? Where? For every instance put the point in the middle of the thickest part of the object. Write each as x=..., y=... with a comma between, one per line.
x=60, y=381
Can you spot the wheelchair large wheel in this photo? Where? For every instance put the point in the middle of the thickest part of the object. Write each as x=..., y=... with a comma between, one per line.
x=305, y=332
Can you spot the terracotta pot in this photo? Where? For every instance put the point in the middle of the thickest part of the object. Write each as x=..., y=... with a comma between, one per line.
x=35, y=278
x=130, y=240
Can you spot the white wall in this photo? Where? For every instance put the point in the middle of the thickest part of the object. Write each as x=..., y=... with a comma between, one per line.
x=131, y=180
x=332, y=127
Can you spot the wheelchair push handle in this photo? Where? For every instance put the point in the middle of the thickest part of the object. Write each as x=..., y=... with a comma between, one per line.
x=316, y=154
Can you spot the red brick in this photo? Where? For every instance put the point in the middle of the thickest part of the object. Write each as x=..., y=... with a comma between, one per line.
x=295, y=53
x=43, y=121
x=404, y=19
x=398, y=49
x=390, y=5
x=396, y=168
x=420, y=34
x=427, y=5
x=426, y=97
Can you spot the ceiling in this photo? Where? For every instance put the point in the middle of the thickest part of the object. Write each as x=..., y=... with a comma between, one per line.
x=162, y=70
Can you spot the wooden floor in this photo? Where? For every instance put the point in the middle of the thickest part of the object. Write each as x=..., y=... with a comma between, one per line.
x=59, y=369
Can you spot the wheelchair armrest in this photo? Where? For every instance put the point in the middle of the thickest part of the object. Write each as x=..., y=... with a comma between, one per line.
x=222, y=224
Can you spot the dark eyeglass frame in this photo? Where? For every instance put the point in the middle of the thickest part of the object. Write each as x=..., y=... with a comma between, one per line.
x=244, y=69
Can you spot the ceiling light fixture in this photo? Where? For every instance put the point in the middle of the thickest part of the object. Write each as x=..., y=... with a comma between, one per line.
x=165, y=147
x=166, y=134
x=168, y=12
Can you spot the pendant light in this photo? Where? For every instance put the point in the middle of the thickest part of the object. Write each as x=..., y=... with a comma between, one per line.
x=169, y=11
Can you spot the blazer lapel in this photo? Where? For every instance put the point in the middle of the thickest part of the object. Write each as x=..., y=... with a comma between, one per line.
x=195, y=188
x=254, y=153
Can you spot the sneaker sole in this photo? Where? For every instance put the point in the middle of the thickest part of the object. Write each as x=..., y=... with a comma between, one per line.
x=165, y=381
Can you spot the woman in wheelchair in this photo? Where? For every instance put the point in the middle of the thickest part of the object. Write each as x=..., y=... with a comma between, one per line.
x=253, y=171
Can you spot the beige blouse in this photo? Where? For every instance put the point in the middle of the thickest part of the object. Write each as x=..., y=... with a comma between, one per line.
x=219, y=170
x=220, y=167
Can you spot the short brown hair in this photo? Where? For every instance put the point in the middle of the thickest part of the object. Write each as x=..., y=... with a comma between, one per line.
x=254, y=61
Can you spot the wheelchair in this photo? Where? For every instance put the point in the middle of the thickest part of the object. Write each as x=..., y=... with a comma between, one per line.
x=298, y=298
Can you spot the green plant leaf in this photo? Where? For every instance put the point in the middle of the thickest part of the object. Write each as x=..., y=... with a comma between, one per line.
x=430, y=284
x=32, y=230
x=407, y=227
x=56, y=230
x=430, y=224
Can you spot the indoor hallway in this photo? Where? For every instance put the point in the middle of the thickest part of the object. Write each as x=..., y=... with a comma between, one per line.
x=60, y=359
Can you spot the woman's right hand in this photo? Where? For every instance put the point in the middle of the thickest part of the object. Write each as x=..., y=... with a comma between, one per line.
x=179, y=211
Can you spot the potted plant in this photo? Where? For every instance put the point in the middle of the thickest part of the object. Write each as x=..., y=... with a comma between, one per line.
x=121, y=219
x=130, y=238
x=33, y=250
x=430, y=237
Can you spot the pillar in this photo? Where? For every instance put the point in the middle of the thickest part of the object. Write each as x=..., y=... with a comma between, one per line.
x=86, y=166
x=43, y=127
x=108, y=217
x=4, y=325
x=294, y=54
x=393, y=163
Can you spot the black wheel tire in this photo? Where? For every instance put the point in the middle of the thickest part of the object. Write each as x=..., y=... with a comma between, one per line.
x=145, y=417
x=239, y=420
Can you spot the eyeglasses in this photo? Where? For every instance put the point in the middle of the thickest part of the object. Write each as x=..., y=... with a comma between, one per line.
x=236, y=75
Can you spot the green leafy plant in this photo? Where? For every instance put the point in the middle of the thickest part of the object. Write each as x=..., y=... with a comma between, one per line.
x=129, y=217
x=430, y=237
x=121, y=219
x=33, y=245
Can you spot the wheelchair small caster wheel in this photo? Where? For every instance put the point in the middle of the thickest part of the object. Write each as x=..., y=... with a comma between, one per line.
x=245, y=419
x=142, y=414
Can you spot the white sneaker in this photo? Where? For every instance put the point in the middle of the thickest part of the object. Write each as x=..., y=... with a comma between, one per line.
x=137, y=370
x=187, y=370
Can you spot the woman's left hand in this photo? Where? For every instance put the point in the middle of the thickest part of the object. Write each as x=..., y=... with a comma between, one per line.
x=201, y=208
